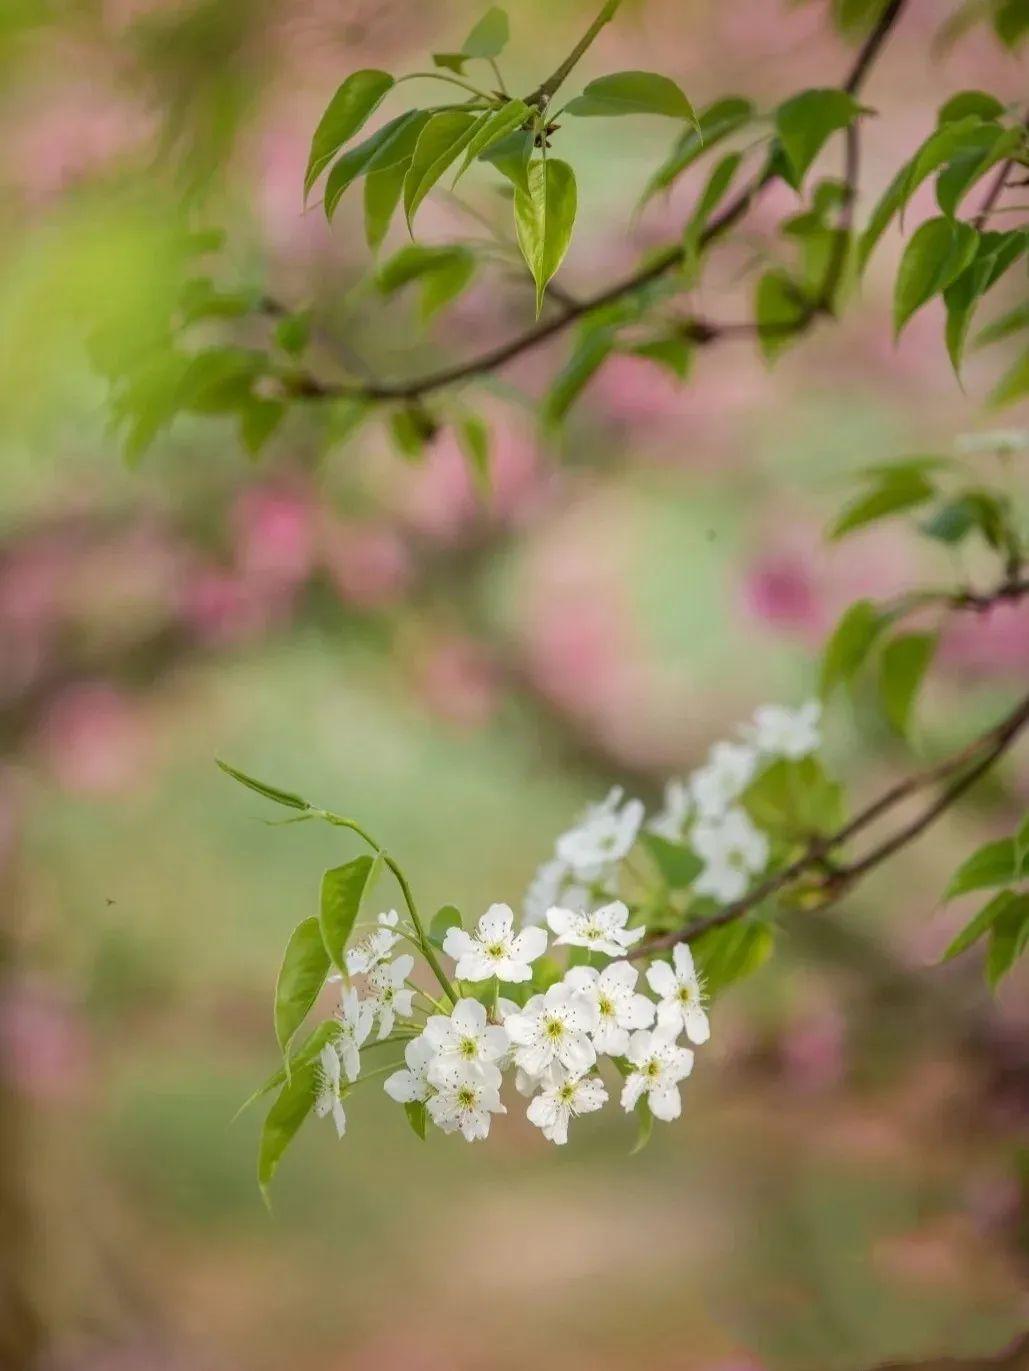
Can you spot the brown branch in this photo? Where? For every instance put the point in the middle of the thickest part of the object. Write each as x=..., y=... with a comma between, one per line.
x=996, y=189
x=700, y=331
x=1013, y=1358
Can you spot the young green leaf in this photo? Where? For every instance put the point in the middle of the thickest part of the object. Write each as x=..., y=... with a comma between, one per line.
x=991, y=145
x=806, y=122
x=644, y=1125
x=632, y=92
x=1012, y=321
x=708, y=201
x=258, y=420
x=793, y=799
x=902, y=667
x=966, y=102
x=497, y=126
x=677, y=865
x=591, y=351
x=489, y=36
x=544, y=217
x=308, y=1052
x=850, y=644
x=473, y=438
x=443, y=273
x=270, y=792
x=727, y=954
x=415, y=1112
x=301, y=977
x=343, y=890
x=1009, y=935
x=714, y=123
x=511, y=157
x=896, y=493
x=444, y=137
x=292, y=1106
x=1013, y=385
x=394, y=142
x=993, y=864
x=980, y=925
x=446, y=918
x=348, y=110
x=780, y=310
x=938, y=252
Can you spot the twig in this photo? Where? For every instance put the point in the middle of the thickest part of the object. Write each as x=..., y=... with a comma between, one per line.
x=996, y=189
x=547, y=89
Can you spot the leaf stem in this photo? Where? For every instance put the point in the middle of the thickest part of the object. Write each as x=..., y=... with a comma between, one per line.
x=451, y=80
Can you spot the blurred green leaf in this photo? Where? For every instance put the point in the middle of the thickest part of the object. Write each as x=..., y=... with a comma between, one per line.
x=443, y=273
x=489, y=36
x=544, y=218
x=415, y=1113
x=780, y=310
x=806, y=122
x=644, y=1125
x=511, y=156
x=980, y=925
x=301, y=977
x=975, y=102
x=498, y=125
x=727, y=954
x=354, y=102
x=632, y=92
x=894, y=494
x=1013, y=385
x=270, y=792
x=677, y=865
x=992, y=864
x=937, y=253
x=1012, y=321
x=444, y=919
x=794, y=799
x=308, y=1052
x=707, y=202
x=715, y=123
x=444, y=137
x=589, y=354
x=287, y=1114
x=1009, y=935
x=902, y=667
x=393, y=143
x=473, y=437
x=343, y=890
x=850, y=644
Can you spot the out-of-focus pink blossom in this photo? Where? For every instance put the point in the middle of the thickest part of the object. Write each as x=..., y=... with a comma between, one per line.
x=92, y=739
x=458, y=681
x=76, y=134
x=779, y=590
x=220, y=607
x=813, y=1051
x=367, y=563
x=291, y=230
x=994, y=643
x=274, y=536
x=440, y=497
x=44, y=1050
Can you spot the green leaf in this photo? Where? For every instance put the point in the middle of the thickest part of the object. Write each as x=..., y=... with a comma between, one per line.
x=673, y=353
x=511, y=157
x=489, y=36
x=644, y=1125
x=219, y=379
x=805, y=123
x=258, y=420
x=308, y=1052
x=794, y=799
x=1013, y=321
x=980, y=925
x=891, y=496
x=415, y=1113
x=446, y=918
x=1009, y=935
x=937, y=253
x=394, y=143
x=291, y=1108
x=677, y=865
x=343, y=890
x=632, y=92
x=411, y=426
x=301, y=977
x=708, y=201
x=950, y=523
x=966, y=102
x=992, y=145
x=544, y=217
x=589, y=355
x=727, y=954
x=473, y=438
x=382, y=192
x=293, y=331
x=780, y=310
x=850, y=644
x=902, y=667
x=1013, y=385
x=270, y=792
x=443, y=273
x=992, y=864
x=1022, y=843
x=715, y=123
x=497, y=126
x=354, y=102
x=444, y=137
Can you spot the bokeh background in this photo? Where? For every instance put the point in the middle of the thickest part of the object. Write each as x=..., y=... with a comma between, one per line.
x=846, y=1185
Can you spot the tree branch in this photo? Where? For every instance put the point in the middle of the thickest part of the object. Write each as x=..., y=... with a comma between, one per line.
x=547, y=89
x=1013, y=1358
x=701, y=332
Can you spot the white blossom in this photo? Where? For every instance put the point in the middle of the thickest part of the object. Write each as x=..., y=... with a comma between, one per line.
x=782, y=732
x=670, y=821
x=729, y=769
x=388, y=994
x=603, y=835
x=602, y=930
x=412, y=1081
x=563, y=1100
x=466, y=1103
x=354, y=1017
x=681, y=1000
x=465, y=1045
x=494, y=949
x=1000, y=442
x=554, y=1027
x=732, y=850
x=552, y=882
x=375, y=947
x=327, y=1100
x=660, y=1064
x=618, y=1008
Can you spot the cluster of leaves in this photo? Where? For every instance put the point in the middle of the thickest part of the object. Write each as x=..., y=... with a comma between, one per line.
x=1002, y=866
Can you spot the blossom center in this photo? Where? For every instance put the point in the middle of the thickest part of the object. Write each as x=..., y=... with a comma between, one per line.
x=466, y=1097
x=469, y=1047
x=605, y=1007
x=495, y=950
x=554, y=1028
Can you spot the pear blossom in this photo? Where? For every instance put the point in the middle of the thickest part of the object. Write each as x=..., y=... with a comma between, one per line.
x=465, y=1045
x=681, y=1006
x=728, y=772
x=554, y=1027
x=411, y=1083
x=552, y=882
x=603, y=930
x=671, y=820
x=354, y=1017
x=466, y=1103
x=494, y=949
x=388, y=994
x=327, y=1100
x=604, y=834
x=659, y=1065
x=565, y=1099
x=1001, y=442
x=732, y=850
x=783, y=732
x=618, y=1008
x=375, y=947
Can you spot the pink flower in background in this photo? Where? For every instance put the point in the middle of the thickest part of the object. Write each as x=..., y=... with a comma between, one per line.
x=76, y=134
x=219, y=607
x=440, y=497
x=273, y=534
x=44, y=1052
x=368, y=564
x=779, y=590
x=813, y=1051
x=458, y=680
x=298, y=234
x=92, y=739
x=994, y=643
